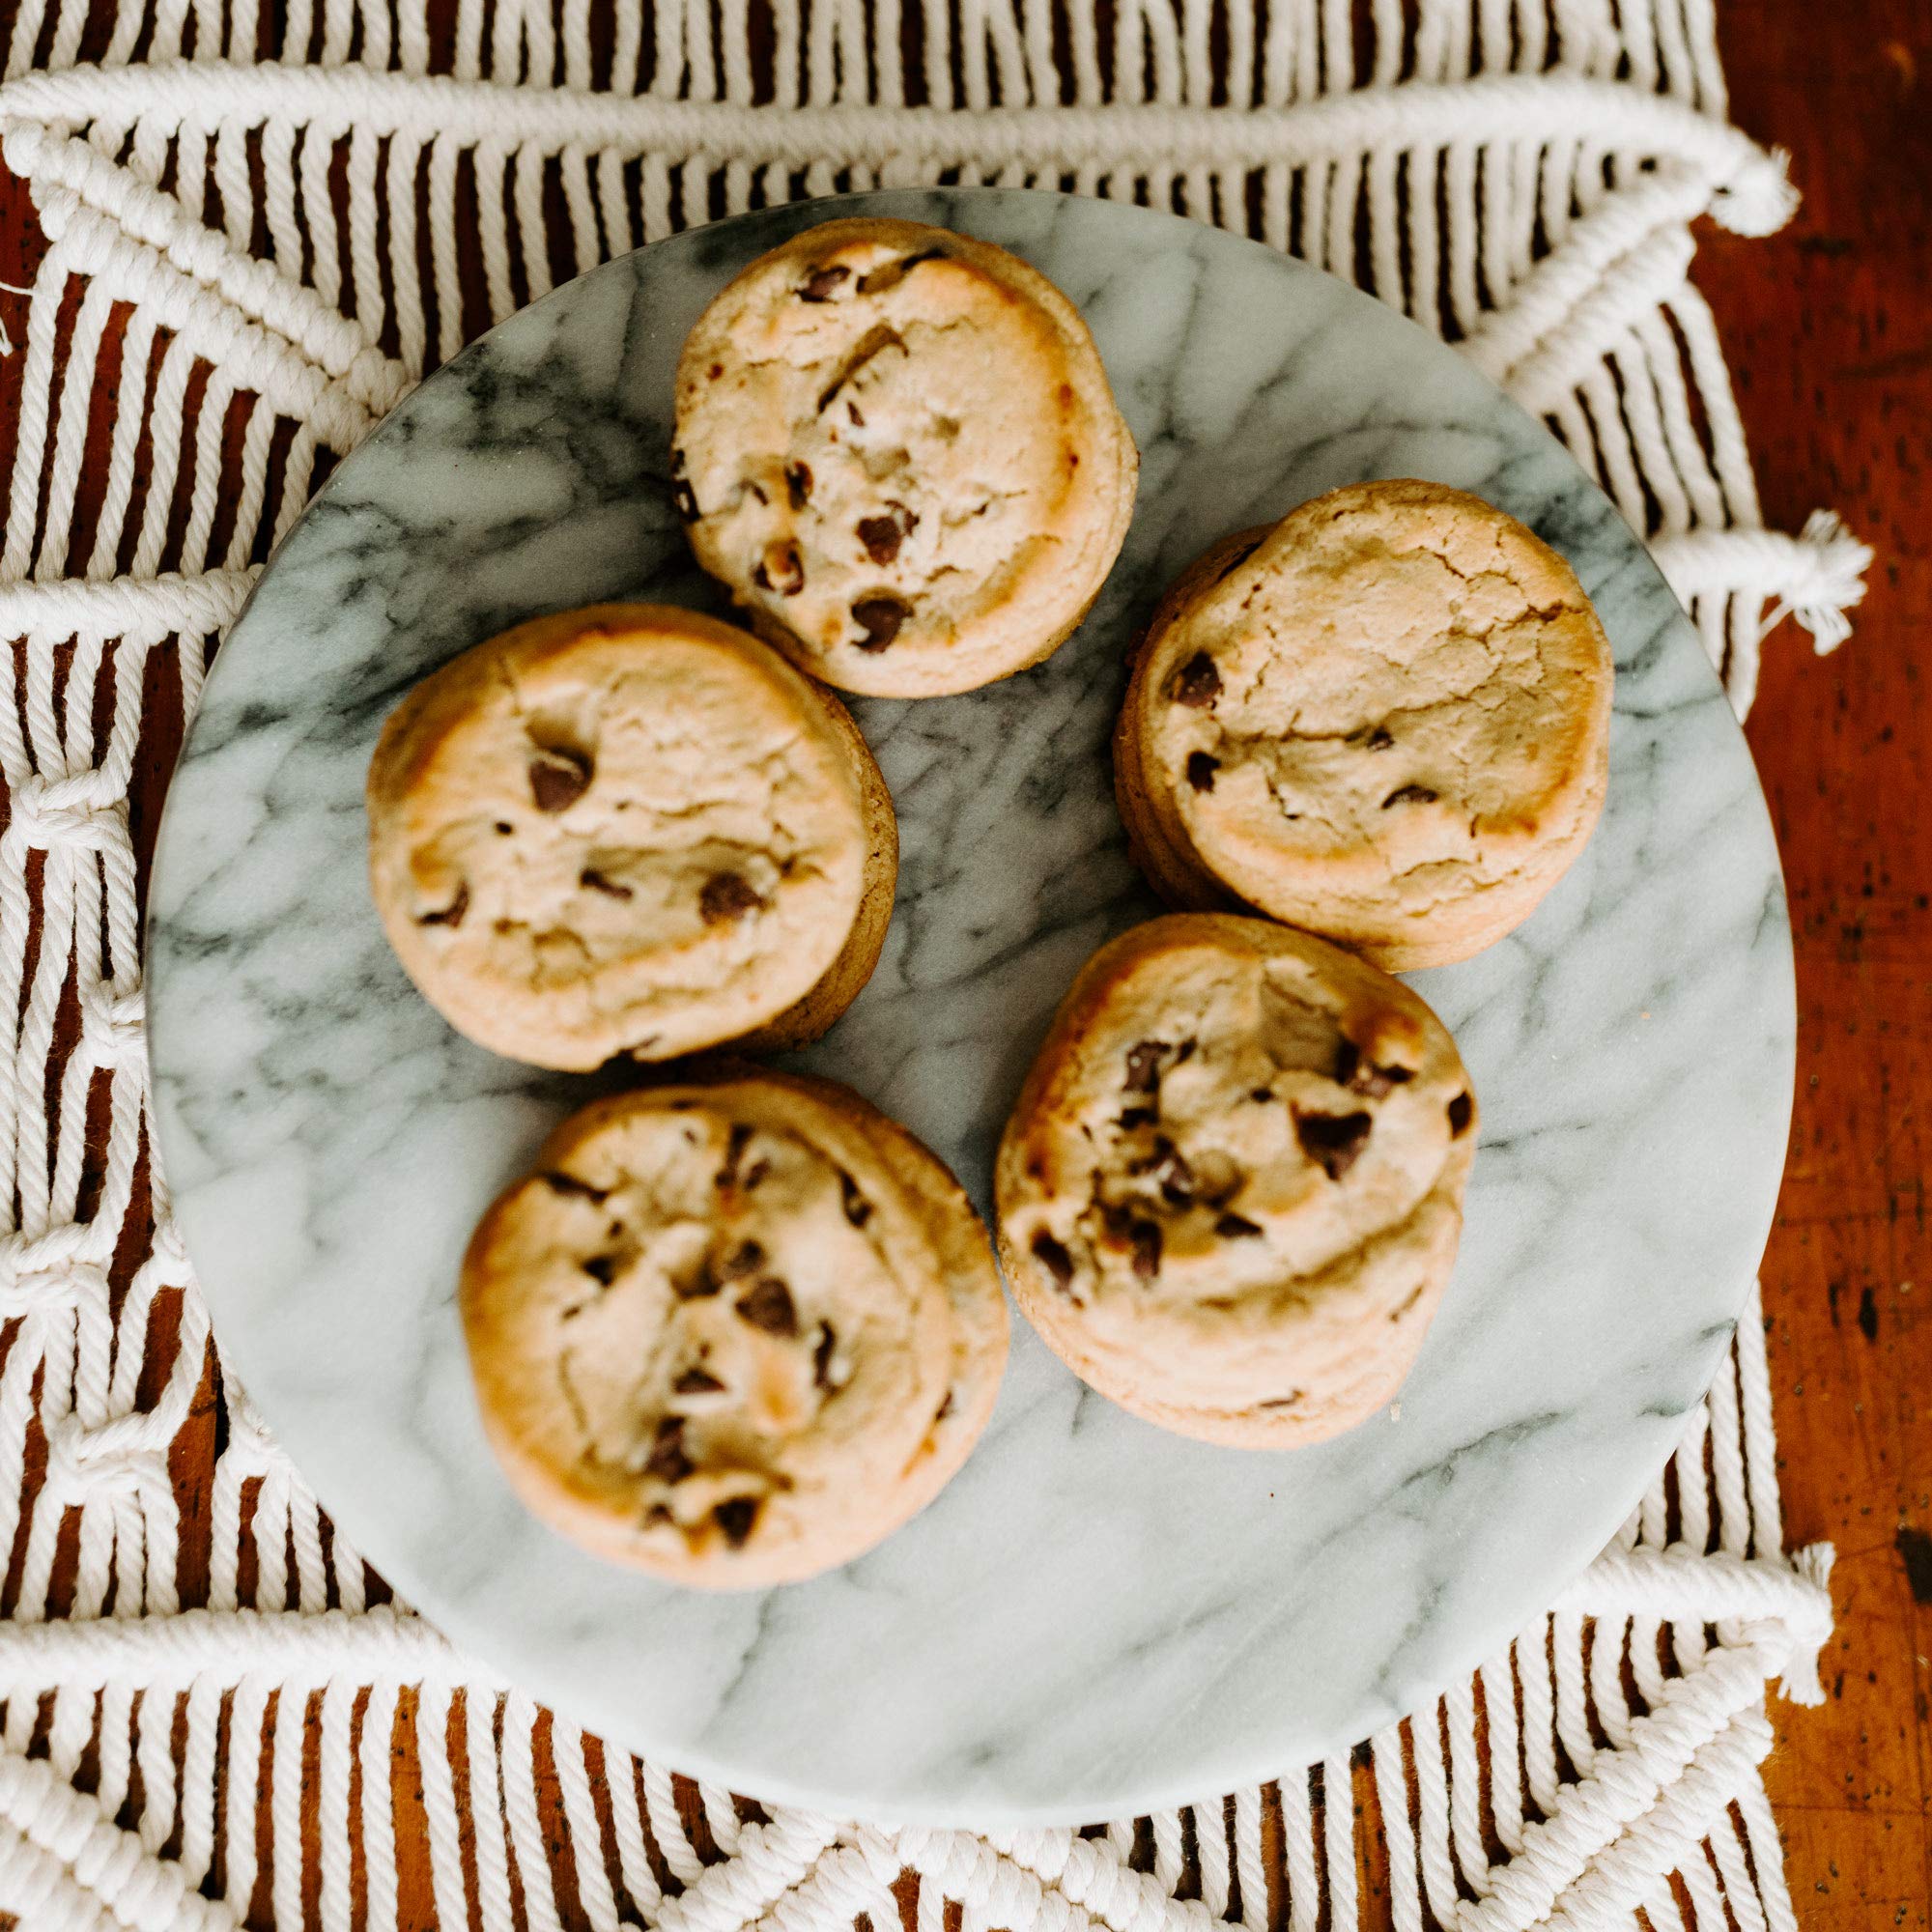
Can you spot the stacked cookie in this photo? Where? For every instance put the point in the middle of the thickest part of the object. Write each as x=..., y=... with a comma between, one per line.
x=1232, y=1191
x=737, y=1325
x=734, y=1328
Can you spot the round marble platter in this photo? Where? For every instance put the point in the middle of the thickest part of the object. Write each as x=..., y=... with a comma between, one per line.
x=1094, y=1617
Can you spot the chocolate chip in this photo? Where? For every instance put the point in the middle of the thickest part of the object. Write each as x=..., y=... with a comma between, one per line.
x=819, y=284
x=1142, y=1236
x=735, y=1143
x=1263, y=1094
x=725, y=896
x=1378, y=740
x=880, y=618
x=452, y=913
x=881, y=536
x=558, y=778
x=1169, y=1166
x=747, y=1257
x=699, y=1287
x=821, y=1356
x=1177, y=1178
x=1197, y=684
x=945, y=1407
x=1138, y=1117
x=1460, y=1112
x=1334, y=1142
x=1410, y=794
x=858, y=1209
x=1201, y=770
x=504, y=828
x=755, y=1174
x=888, y=274
x=853, y=410
x=781, y=569
x=1144, y=1066
x=736, y=1516
x=560, y=1183
x=1053, y=1257
x=1236, y=1227
x=668, y=1461
x=695, y=1382
x=798, y=484
x=601, y=1268
x=595, y=881
x=1363, y=1076
x=769, y=1306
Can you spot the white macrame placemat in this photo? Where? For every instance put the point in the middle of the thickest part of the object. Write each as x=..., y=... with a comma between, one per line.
x=279, y=229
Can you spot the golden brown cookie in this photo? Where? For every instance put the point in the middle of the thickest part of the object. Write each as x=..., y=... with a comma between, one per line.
x=897, y=447
x=733, y=1330
x=1387, y=718
x=1231, y=1192
x=629, y=829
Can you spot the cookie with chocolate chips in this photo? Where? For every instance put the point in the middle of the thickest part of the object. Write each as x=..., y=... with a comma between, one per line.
x=734, y=1330
x=898, y=448
x=1231, y=1192
x=1386, y=718
x=629, y=829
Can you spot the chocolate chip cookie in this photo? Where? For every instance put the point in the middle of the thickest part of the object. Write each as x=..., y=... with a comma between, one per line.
x=897, y=447
x=1387, y=718
x=629, y=829
x=734, y=1330
x=1231, y=1192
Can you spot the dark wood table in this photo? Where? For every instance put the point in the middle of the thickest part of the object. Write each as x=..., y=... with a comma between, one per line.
x=1828, y=326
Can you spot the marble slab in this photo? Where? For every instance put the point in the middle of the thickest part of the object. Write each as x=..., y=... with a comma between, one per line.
x=1095, y=1616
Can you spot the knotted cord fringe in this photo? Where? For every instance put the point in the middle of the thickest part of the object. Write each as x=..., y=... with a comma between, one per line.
x=252, y=254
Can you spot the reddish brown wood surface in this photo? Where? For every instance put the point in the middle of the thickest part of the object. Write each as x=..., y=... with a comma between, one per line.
x=1828, y=330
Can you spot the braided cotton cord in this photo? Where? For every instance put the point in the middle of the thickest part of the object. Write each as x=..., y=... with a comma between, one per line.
x=1521, y=176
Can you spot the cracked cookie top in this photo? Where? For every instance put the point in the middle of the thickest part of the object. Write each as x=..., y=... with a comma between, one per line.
x=1386, y=718
x=733, y=1331
x=1231, y=1191
x=896, y=446
x=625, y=829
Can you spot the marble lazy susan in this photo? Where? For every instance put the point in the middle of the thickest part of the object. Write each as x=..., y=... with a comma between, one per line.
x=1094, y=1617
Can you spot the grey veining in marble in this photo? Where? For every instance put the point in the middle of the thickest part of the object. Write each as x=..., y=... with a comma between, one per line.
x=1095, y=1616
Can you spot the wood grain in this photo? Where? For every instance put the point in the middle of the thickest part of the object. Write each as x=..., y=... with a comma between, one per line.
x=1828, y=330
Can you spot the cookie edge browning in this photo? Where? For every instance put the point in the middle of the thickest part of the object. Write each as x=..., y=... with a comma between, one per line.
x=1258, y=1426
x=1184, y=877
x=961, y=1249
x=1053, y=1068
x=1114, y=447
x=844, y=979
x=1158, y=841
x=438, y=701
